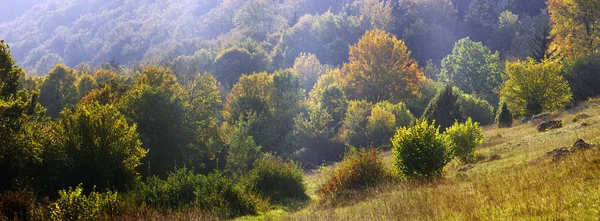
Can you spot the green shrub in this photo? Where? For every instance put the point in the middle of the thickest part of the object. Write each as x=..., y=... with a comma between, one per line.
x=275, y=179
x=380, y=126
x=184, y=189
x=464, y=137
x=504, y=117
x=477, y=109
x=420, y=151
x=358, y=171
x=72, y=204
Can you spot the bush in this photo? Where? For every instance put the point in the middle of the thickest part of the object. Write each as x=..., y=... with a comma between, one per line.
x=477, y=109
x=183, y=189
x=353, y=131
x=420, y=151
x=275, y=179
x=504, y=117
x=358, y=171
x=464, y=137
x=16, y=205
x=72, y=204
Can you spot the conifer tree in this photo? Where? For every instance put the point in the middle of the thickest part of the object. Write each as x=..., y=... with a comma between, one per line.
x=443, y=109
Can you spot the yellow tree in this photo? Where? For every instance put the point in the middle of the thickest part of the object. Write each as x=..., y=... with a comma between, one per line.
x=575, y=26
x=380, y=68
x=533, y=87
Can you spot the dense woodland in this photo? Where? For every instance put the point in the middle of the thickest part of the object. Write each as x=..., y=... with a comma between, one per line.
x=211, y=104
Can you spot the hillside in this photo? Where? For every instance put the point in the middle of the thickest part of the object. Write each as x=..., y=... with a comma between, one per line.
x=513, y=178
x=299, y=109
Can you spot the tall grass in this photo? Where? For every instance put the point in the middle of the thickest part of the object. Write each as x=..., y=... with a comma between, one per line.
x=513, y=179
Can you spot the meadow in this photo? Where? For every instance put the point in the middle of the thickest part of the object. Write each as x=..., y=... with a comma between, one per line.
x=513, y=178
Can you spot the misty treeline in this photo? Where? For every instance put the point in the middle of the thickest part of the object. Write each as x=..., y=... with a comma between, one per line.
x=155, y=98
x=132, y=32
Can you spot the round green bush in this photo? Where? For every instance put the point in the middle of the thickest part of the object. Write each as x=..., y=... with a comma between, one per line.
x=464, y=137
x=420, y=151
x=275, y=179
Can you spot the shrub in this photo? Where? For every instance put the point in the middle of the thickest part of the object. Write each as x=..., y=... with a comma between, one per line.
x=504, y=117
x=477, y=109
x=464, y=137
x=72, y=204
x=358, y=171
x=16, y=205
x=183, y=189
x=275, y=179
x=420, y=151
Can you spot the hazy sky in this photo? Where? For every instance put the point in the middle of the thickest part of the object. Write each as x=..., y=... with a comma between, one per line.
x=14, y=8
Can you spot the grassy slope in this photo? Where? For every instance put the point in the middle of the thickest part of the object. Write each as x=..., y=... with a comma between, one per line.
x=512, y=180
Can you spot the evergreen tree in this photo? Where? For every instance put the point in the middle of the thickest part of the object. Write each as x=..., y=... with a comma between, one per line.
x=504, y=117
x=443, y=109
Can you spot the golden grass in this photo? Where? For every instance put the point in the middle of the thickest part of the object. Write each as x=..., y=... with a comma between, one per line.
x=520, y=182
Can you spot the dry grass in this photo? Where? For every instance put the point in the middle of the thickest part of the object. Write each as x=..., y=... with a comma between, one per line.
x=512, y=180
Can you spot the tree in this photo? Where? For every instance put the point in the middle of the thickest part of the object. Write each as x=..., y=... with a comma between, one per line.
x=380, y=68
x=231, y=63
x=533, y=87
x=59, y=90
x=204, y=105
x=583, y=74
x=354, y=129
x=162, y=125
x=9, y=73
x=473, y=107
x=576, y=27
x=101, y=149
x=243, y=151
x=160, y=77
x=420, y=151
x=333, y=100
x=85, y=84
x=504, y=117
x=473, y=68
x=443, y=109
x=310, y=69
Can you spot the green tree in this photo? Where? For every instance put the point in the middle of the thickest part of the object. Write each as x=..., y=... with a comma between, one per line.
x=420, y=151
x=161, y=120
x=204, y=101
x=59, y=90
x=504, y=117
x=473, y=68
x=354, y=129
x=9, y=73
x=533, y=87
x=243, y=151
x=443, y=108
x=476, y=108
x=583, y=74
x=85, y=84
x=333, y=100
x=101, y=149
x=231, y=63
x=380, y=68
